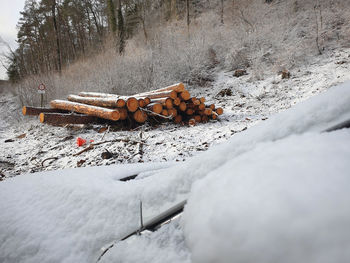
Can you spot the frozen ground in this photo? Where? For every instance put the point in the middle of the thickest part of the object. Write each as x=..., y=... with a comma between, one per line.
x=35, y=147
x=277, y=192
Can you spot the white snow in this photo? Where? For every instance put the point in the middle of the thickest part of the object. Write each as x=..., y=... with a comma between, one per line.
x=283, y=201
x=276, y=192
x=251, y=102
x=273, y=193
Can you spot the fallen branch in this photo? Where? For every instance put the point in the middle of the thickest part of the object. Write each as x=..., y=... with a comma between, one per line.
x=47, y=159
x=91, y=146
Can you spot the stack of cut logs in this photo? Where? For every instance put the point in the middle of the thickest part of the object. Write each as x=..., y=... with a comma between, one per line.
x=171, y=103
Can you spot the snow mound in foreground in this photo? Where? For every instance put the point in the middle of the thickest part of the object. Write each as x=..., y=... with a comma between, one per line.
x=284, y=201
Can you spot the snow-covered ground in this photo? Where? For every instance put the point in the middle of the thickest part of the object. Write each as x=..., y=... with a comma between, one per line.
x=277, y=192
x=35, y=147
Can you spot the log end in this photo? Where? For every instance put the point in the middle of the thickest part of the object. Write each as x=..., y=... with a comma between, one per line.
x=219, y=111
x=182, y=106
x=185, y=95
x=140, y=116
x=115, y=115
x=120, y=103
x=178, y=119
x=132, y=104
x=24, y=110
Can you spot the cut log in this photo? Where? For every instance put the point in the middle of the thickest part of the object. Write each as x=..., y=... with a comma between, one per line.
x=185, y=95
x=97, y=94
x=99, y=101
x=205, y=118
x=195, y=101
x=208, y=111
x=179, y=87
x=178, y=119
x=192, y=122
x=202, y=99
x=140, y=116
x=177, y=101
x=214, y=116
x=132, y=104
x=166, y=102
x=198, y=118
x=219, y=111
x=26, y=110
x=212, y=106
x=182, y=106
x=156, y=95
x=201, y=106
x=100, y=112
x=142, y=103
x=165, y=112
x=189, y=111
x=172, y=112
x=123, y=113
x=63, y=119
x=155, y=107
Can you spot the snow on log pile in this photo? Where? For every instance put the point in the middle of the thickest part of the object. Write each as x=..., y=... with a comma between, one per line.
x=173, y=103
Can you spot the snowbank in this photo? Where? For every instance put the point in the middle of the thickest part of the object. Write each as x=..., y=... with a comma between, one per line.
x=68, y=215
x=284, y=201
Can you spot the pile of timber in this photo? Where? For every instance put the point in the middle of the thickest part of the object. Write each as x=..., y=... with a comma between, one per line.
x=173, y=103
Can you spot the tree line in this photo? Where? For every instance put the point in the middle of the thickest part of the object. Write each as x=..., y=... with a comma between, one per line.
x=55, y=33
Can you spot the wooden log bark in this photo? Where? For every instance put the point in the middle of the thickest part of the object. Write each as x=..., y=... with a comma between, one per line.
x=97, y=94
x=178, y=87
x=100, y=112
x=156, y=95
x=63, y=119
x=99, y=101
x=34, y=111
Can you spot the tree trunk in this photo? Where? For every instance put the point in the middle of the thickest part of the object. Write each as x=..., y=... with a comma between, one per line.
x=111, y=17
x=63, y=119
x=58, y=48
x=121, y=28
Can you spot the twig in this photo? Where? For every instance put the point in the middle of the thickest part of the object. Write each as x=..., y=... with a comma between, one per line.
x=105, y=132
x=91, y=146
x=50, y=158
x=156, y=114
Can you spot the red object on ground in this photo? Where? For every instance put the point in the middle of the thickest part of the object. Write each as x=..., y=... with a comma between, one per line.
x=91, y=141
x=80, y=141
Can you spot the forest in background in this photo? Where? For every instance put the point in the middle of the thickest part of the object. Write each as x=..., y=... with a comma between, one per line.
x=135, y=45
